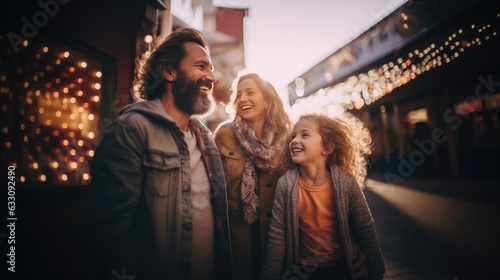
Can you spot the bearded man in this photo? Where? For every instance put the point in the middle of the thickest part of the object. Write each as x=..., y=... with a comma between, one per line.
x=158, y=206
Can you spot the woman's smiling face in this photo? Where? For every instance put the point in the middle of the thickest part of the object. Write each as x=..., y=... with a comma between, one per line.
x=250, y=102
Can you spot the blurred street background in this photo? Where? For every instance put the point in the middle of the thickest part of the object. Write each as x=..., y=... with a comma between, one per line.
x=436, y=229
x=422, y=75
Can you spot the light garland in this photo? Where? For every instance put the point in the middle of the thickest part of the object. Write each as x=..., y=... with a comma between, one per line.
x=51, y=99
x=367, y=87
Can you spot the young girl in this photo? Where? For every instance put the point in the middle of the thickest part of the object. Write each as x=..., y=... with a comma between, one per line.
x=321, y=226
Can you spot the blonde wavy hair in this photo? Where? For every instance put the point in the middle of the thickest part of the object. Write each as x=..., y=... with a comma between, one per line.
x=350, y=138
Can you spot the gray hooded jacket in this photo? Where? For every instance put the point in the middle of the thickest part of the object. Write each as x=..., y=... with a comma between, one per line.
x=141, y=208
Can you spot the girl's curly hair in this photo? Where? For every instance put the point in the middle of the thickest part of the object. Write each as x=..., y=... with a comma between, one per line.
x=350, y=138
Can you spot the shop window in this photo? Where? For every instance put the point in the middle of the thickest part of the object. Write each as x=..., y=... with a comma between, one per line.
x=415, y=127
x=494, y=128
x=492, y=105
x=416, y=116
x=492, y=102
x=51, y=97
x=480, y=127
x=469, y=107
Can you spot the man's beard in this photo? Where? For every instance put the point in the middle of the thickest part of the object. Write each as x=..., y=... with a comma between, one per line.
x=189, y=98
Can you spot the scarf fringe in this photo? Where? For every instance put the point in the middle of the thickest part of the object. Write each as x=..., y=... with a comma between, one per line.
x=258, y=156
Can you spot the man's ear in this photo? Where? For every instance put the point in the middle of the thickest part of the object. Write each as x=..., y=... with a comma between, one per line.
x=329, y=149
x=168, y=73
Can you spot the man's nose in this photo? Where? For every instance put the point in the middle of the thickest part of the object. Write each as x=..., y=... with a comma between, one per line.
x=211, y=76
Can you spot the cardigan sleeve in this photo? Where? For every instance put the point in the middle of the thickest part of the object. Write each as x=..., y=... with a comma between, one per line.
x=363, y=227
x=273, y=265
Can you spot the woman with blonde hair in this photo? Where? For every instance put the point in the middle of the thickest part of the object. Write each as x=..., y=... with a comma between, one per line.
x=245, y=144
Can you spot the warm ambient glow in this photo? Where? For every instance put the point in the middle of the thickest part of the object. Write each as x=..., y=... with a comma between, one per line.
x=366, y=87
x=148, y=39
x=56, y=141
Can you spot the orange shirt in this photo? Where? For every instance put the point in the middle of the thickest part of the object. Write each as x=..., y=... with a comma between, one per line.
x=319, y=239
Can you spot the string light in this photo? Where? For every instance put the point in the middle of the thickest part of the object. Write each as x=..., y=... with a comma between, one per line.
x=52, y=81
x=414, y=64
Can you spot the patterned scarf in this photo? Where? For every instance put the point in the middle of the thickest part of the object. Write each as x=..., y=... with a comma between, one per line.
x=258, y=156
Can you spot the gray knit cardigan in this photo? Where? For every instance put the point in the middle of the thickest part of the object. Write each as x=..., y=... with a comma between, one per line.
x=355, y=223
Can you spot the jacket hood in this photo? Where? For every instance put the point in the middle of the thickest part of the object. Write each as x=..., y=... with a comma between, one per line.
x=152, y=108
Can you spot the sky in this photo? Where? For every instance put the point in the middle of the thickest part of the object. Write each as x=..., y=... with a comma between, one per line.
x=285, y=38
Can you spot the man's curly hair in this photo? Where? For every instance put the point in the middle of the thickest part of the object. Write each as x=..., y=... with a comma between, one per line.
x=149, y=82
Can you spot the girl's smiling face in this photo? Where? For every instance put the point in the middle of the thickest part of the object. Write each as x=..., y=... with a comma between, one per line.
x=306, y=146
